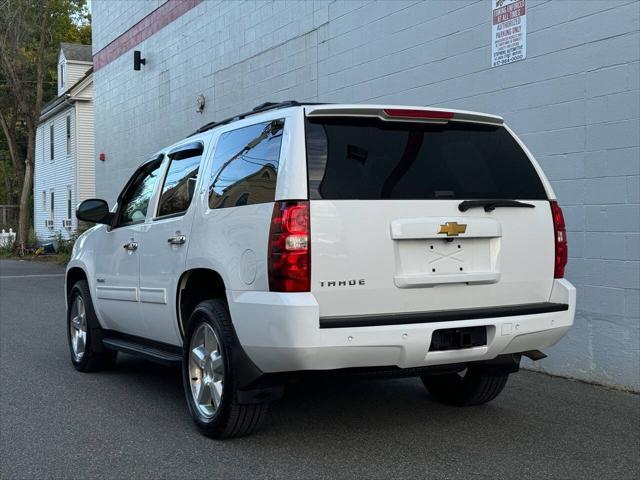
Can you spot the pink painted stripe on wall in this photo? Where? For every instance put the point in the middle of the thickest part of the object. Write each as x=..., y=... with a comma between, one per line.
x=156, y=20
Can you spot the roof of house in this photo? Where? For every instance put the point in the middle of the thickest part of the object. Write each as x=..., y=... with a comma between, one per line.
x=76, y=51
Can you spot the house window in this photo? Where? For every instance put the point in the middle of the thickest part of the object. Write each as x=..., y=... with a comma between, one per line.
x=44, y=200
x=51, y=142
x=68, y=203
x=61, y=75
x=52, y=207
x=68, y=134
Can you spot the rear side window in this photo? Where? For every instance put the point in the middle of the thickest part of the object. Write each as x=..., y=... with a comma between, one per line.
x=245, y=165
x=373, y=159
x=180, y=181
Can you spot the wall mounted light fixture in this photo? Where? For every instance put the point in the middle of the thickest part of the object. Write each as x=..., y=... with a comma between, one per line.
x=138, y=60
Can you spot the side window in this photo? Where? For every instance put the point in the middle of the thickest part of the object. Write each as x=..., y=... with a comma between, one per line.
x=245, y=165
x=51, y=143
x=180, y=181
x=135, y=200
x=68, y=134
x=69, y=201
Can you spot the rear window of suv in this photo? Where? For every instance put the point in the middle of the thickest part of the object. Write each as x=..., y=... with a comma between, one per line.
x=369, y=159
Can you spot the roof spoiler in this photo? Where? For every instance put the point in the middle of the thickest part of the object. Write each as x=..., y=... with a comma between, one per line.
x=408, y=114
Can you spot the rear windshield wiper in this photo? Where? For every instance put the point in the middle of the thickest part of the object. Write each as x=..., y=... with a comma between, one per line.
x=490, y=205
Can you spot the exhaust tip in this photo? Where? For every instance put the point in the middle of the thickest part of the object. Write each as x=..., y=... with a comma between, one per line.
x=534, y=355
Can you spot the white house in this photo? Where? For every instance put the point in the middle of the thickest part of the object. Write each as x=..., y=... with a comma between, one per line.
x=64, y=160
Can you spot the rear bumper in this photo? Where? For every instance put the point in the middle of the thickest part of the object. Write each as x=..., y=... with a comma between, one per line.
x=281, y=332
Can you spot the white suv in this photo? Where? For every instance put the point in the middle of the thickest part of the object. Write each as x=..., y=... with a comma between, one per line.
x=316, y=237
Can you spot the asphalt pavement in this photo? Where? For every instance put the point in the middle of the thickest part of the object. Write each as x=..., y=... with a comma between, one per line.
x=132, y=421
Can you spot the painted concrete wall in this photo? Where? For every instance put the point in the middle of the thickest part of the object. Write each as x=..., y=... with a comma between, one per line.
x=116, y=16
x=574, y=100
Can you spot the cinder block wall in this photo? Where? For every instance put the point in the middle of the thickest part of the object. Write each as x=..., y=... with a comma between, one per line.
x=574, y=100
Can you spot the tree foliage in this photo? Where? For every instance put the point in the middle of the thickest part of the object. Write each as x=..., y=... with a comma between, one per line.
x=30, y=35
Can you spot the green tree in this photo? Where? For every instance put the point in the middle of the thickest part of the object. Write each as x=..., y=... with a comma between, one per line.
x=30, y=36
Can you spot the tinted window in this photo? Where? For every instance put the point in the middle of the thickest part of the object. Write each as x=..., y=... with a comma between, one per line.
x=180, y=182
x=135, y=200
x=373, y=159
x=245, y=165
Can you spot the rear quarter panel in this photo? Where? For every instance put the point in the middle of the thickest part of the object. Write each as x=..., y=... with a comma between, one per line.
x=233, y=241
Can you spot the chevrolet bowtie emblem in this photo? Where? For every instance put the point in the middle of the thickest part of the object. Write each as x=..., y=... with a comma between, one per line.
x=453, y=229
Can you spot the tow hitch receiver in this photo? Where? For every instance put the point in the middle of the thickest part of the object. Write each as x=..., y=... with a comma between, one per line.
x=458, y=338
x=534, y=355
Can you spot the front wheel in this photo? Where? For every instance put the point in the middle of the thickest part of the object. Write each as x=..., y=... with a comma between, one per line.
x=209, y=377
x=83, y=333
x=474, y=387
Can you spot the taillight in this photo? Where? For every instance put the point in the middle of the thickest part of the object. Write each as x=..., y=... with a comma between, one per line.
x=289, y=261
x=426, y=114
x=560, y=233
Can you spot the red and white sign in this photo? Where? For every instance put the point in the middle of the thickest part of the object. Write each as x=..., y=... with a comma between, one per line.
x=508, y=31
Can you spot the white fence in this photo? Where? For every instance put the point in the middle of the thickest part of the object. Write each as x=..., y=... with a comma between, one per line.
x=7, y=238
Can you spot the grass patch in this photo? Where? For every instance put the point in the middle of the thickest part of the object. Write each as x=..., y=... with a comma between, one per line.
x=34, y=252
x=57, y=258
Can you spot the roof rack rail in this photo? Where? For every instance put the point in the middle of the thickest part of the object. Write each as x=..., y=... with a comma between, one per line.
x=273, y=105
x=263, y=107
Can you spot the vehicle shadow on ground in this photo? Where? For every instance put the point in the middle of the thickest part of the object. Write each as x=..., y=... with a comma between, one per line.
x=329, y=405
x=380, y=427
x=153, y=378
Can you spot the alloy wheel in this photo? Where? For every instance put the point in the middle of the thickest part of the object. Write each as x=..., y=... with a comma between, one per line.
x=78, y=328
x=206, y=370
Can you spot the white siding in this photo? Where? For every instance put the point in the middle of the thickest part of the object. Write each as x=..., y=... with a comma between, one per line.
x=61, y=66
x=86, y=93
x=73, y=72
x=58, y=175
x=86, y=168
x=72, y=171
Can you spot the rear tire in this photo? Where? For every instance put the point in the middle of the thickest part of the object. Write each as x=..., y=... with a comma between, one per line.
x=475, y=387
x=209, y=376
x=84, y=333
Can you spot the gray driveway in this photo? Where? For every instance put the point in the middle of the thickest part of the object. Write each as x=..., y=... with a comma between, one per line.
x=132, y=422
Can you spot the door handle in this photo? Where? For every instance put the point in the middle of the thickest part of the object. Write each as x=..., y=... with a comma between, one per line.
x=177, y=239
x=131, y=246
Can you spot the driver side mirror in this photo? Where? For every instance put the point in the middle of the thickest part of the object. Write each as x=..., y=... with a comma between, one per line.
x=94, y=210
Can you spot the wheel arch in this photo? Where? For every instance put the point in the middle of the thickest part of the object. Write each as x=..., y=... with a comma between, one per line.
x=72, y=276
x=194, y=286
